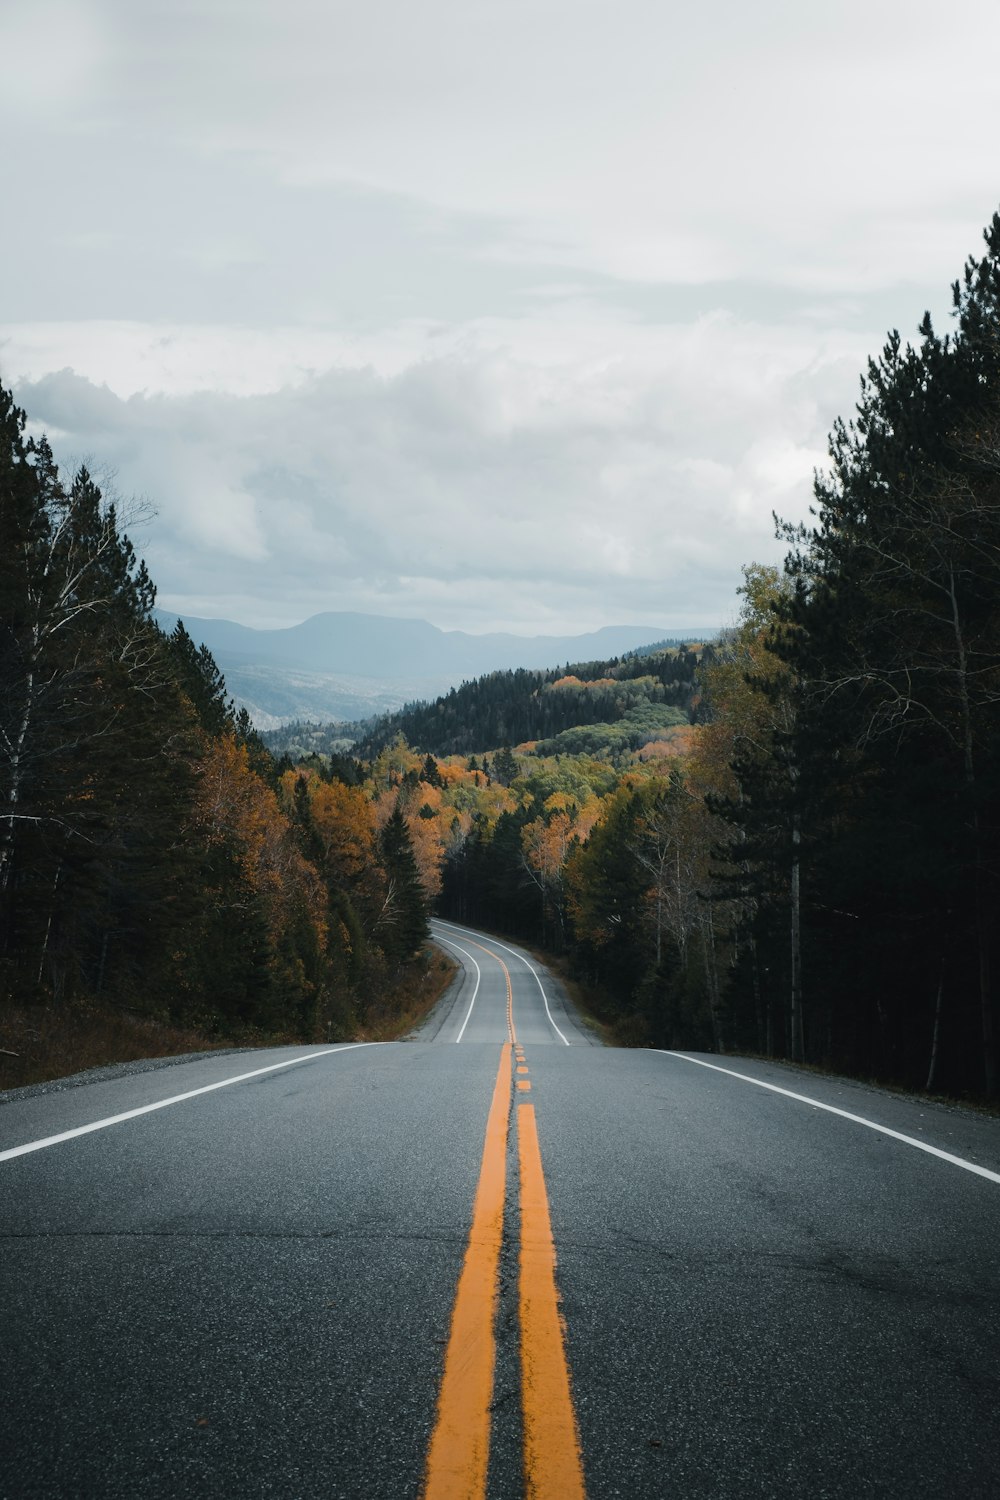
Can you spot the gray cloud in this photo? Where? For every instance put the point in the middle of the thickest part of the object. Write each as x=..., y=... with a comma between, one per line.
x=489, y=484
x=522, y=315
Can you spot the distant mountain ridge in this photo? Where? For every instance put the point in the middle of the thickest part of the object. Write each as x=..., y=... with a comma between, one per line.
x=380, y=646
x=346, y=665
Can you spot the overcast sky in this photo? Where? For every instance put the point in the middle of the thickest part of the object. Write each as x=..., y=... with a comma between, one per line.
x=508, y=314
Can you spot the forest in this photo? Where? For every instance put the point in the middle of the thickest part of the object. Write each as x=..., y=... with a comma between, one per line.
x=816, y=874
x=507, y=707
x=155, y=862
x=784, y=842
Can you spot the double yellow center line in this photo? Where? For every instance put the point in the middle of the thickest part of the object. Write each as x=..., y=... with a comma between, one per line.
x=458, y=1457
x=553, y=1465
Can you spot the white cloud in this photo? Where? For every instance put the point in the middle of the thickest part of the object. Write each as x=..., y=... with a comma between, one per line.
x=523, y=314
x=609, y=470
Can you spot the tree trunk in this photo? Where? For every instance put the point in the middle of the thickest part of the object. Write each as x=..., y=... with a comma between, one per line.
x=762, y=1042
x=712, y=977
x=987, y=1034
x=795, y=990
x=16, y=776
x=48, y=924
x=932, y=1068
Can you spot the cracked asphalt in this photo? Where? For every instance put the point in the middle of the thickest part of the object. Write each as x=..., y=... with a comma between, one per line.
x=248, y=1292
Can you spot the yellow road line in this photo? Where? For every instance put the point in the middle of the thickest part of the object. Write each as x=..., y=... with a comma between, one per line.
x=458, y=1457
x=510, y=998
x=511, y=1033
x=553, y=1466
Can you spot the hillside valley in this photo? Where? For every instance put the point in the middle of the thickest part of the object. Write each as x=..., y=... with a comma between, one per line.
x=351, y=666
x=784, y=841
x=609, y=708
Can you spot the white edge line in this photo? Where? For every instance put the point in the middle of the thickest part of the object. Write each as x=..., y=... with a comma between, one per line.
x=145, y=1109
x=475, y=990
x=908, y=1140
x=521, y=956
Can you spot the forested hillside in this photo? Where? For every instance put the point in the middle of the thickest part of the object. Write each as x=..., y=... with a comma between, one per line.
x=870, y=814
x=153, y=861
x=506, y=708
x=817, y=875
x=787, y=842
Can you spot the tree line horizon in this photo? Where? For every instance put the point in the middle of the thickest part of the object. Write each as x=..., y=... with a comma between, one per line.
x=786, y=841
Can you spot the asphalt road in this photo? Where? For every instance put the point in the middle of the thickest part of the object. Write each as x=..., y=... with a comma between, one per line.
x=255, y=1291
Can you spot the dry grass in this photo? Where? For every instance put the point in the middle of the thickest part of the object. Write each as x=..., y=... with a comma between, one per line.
x=588, y=1002
x=39, y=1043
x=42, y=1042
x=410, y=1001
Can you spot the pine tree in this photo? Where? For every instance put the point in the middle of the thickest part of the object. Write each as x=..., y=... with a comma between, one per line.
x=79, y=665
x=897, y=600
x=505, y=766
x=430, y=772
x=402, y=927
x=201, y=680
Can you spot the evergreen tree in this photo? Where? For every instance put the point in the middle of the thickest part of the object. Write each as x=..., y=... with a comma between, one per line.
x=430, y=772
x=607, y=885
x=402, y=924
x=201, y=680
x=80, y=666
x=504, y=766
x=896, y=604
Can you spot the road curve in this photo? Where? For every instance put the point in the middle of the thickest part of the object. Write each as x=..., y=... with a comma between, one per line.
x=496, y=1259
x=491, y=972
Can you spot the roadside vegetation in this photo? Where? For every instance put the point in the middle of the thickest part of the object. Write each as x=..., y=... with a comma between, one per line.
x=813, y=871
x=162, y=880
x=817, y=877
x=786, y=841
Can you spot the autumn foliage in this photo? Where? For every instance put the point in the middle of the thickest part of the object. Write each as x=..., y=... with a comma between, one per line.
x=155, y=862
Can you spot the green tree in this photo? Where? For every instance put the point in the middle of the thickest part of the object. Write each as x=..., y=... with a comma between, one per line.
x=80, y=665
x=202, y=682
x=402, y=923
x=505, y=766
x=430, y=772
x=606, y=889
x=895, y=600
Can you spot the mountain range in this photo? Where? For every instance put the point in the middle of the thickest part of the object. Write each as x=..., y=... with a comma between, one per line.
x=345, y=666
